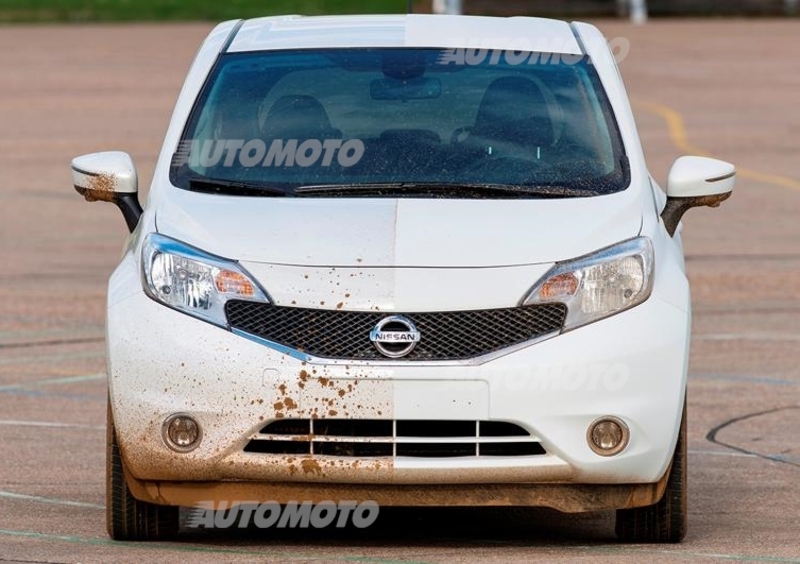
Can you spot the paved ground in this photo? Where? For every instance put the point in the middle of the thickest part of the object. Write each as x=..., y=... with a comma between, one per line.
x=729, y=88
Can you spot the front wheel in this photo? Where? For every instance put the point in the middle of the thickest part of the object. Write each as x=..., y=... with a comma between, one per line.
x=127, y=518
x=665, y=521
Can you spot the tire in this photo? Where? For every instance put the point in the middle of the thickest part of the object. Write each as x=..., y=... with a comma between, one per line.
x=127, y=518
x=665, y=521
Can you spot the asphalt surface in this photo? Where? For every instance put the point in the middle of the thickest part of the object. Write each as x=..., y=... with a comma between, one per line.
x=726, y=88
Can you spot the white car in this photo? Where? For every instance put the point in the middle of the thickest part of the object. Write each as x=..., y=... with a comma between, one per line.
x=416, y=260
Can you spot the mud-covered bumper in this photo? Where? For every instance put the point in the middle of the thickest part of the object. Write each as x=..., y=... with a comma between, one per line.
x=569, y=498
x=631, y=366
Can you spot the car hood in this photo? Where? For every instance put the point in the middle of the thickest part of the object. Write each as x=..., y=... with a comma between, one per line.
x=397, y=232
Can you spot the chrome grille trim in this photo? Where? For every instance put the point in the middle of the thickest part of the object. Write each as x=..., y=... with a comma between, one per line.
x=328, y=336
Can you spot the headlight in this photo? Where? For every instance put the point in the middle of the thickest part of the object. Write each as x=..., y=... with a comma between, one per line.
x=194, y=282
x=599, y=285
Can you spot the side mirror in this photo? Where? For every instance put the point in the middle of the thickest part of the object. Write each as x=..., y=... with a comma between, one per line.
x=109, y=177
x=696, y=181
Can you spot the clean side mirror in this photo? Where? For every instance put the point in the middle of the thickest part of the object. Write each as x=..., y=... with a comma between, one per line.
x=696, y=181
x=109, y=177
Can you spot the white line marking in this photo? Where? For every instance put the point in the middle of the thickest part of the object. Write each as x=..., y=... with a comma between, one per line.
x=747, y=337
x=50, y=500
x=53, y=381
x=723, y=453
x=43, y=359
x=54, y=424
x=27, y=334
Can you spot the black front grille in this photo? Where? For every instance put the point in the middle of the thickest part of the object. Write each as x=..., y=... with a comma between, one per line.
x=365, y=438
x=451, y=335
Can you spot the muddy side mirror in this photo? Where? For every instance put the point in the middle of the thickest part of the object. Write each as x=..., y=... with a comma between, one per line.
x=109, y=177
x=696, y=181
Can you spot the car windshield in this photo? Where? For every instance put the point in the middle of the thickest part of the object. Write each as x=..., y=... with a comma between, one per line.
x=402, y=122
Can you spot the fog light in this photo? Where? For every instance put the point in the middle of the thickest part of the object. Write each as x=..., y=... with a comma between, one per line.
x=608, y=436
x=182, y=432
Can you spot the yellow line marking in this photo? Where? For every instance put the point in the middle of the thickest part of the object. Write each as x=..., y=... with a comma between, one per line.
x=677, y=132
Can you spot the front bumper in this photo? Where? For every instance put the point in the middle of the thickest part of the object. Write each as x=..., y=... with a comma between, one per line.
x=631, y=366
x=569, y=498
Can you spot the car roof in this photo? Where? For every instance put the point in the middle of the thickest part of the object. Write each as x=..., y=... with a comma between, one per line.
x=410, y=30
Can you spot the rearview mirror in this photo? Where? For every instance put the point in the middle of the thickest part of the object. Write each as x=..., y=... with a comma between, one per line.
x=109, y=177
x=410, y=89
x=696, y=181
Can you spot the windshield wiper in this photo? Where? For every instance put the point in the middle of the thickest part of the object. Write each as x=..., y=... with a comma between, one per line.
x=444, y=189
x=233, y=188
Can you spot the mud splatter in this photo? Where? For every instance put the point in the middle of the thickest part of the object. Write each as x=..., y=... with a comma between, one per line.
x=100, y=188
x=311, y=466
